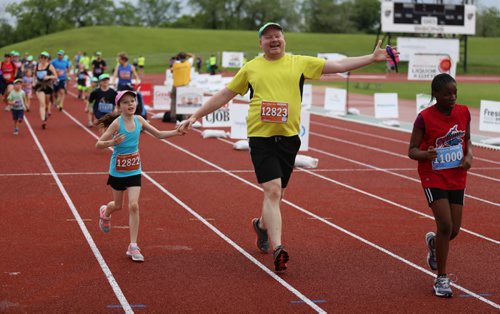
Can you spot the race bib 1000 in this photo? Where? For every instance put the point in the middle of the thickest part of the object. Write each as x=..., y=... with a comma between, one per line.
x=448, y=157
x=274, y=111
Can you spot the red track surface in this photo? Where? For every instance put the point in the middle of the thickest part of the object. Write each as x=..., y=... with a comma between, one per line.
x=354, y=227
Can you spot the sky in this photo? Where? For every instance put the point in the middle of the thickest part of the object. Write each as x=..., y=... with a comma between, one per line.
x=479, y=3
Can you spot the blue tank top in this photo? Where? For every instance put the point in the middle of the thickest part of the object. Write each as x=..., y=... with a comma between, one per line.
x=125, y=161
x=124, y=74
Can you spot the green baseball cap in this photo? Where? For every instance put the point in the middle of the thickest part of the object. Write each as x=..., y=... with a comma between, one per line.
x=269, y=24
x=18, y=81
x=94, y=79
x=98, y=53
x=60, y=52
x=103, y=76
x=30, y=58
x=45, y=54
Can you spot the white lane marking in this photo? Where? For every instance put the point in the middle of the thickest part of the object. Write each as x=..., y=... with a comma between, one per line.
x=100, y=259
x=402, y=156
x=220, y=234
x=479, y=297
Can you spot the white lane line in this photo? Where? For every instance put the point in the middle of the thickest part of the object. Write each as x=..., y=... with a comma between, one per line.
x=100, y=259
x=387, y=138
x=285, y=284
x=404, y=156
x=303, y=210
x=349, y=170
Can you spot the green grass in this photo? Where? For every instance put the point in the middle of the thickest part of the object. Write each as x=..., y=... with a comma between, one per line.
x=159, y=44
x=469, y=94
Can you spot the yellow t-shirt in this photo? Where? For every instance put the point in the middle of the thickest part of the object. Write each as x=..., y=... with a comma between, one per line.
x=181, y=73
x=275, y=81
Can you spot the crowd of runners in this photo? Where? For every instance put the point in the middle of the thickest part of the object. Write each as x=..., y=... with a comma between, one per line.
x=47, y=78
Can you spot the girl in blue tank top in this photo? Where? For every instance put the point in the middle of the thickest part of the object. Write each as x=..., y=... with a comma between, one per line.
x=124, y=72
x=122, y=133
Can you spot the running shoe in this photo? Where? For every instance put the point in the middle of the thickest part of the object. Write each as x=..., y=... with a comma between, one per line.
x=134, y=252
x=430, y=241
x=104, y=222
x=262, y=238
x=280, y=258
x=16, y=131
x=442, y=287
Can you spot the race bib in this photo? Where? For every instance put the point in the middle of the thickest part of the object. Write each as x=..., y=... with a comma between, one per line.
x=105, y=107
x=61, y=72
x=97, y=71
x=125, y=75
x=41, y=74
x=274, y=111
x=128, y=162
x=448, y=157
x=7, y=76
x=18, y=104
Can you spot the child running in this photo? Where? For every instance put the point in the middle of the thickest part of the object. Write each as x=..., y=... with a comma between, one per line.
x=28, y=81
x=441, y=144
x=17, y=101
x=125, y=165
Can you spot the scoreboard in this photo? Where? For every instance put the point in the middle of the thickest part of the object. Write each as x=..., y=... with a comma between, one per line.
x=403, y=17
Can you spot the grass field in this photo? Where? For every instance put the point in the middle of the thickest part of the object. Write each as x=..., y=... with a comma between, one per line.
x=159, y=44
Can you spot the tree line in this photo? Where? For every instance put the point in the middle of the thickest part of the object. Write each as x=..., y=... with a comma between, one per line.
x=34, y=18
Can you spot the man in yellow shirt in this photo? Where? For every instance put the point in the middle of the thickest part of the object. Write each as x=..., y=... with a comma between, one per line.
x=275, y=81
x=181, y=73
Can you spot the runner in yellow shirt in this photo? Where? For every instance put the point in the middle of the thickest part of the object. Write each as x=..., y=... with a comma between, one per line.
x=275, y=81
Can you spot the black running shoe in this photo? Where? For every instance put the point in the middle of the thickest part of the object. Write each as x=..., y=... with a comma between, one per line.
x=262, y=238
x=280, y=258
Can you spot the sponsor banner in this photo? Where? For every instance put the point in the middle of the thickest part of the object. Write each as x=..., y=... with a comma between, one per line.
x=307, y=96
x=305, y=118
x=161, y=97
x=408, y=46
x=335, y=100
x=489, y=116
x=214, y=84
x=238, y=115
x=386, y=105
x=231, y=59
x=424, y=101
x=189, y=99
x=146, y=90
x=423, y=66
x=218, y=118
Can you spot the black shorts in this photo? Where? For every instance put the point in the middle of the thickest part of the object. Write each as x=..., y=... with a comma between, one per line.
x=44, y=87
x=60, y=85
x=274, y=157
x=453, y=196
x=122, y=183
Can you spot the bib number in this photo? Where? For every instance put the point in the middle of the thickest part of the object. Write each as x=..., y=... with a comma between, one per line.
x=105, y=107
x=273, y=111
x=7, y=76
x=128, y=162
x=448, y=157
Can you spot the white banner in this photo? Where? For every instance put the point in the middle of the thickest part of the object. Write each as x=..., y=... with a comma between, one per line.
x=424, y=101
x=218, y=118
x=489, y=116
x=386, y=105
x=423, y=67
x=188, y=99
x=335, y=100
x=305, y=118
x=307, y=96
x=408, y=46
x=161, y=97
x=333, y=56
x=231, y=59
x=238, y=115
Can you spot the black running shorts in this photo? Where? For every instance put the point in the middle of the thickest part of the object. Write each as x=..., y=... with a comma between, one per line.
x=274, y=157
x=453, y=196
x=122, y=183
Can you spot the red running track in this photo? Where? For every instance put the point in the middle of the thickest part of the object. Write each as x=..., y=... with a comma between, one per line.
x=354, y=227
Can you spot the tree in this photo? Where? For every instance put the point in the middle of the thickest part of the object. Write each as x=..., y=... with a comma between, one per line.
x=488, y=23
x=158, y=12
x=125, y=14
x=327, y=16
x=366, y=15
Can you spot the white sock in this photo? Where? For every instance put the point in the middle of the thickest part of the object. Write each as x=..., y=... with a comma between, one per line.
x=133, y=244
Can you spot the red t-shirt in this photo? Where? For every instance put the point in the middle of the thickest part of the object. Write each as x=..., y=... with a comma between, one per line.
x=8, y=71
x=441, y=130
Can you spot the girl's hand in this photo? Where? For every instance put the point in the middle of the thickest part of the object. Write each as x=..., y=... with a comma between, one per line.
x=118, y=138
x=466, y=162
x=431, y=153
